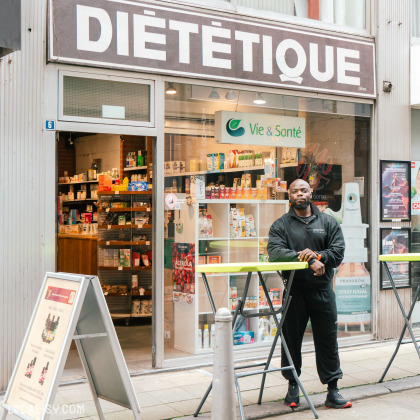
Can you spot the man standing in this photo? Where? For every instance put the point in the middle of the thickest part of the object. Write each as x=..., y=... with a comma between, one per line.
x=306, y=234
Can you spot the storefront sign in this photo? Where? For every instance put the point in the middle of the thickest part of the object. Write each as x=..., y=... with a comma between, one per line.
x=259, y=129
x=158, y=39
x=395, y=241
x=395, y=190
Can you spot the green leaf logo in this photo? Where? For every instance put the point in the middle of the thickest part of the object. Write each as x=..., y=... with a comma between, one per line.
x=234, y=124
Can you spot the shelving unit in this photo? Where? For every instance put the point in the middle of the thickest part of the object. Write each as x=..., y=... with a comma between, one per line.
x=116, y=273
x=231, y=250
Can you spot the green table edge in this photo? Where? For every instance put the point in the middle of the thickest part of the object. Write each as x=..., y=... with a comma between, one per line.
x=247, y=267
x=399, y=257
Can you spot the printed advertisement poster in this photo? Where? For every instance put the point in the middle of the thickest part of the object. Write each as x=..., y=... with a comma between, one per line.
x=395, y=190
x=183, y=272
x=40, y=356
x=395, y=241
x=415, y=188
x=353, y=298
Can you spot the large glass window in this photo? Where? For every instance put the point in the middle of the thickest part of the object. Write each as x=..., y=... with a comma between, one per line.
x=223, y=192
x=341, y=12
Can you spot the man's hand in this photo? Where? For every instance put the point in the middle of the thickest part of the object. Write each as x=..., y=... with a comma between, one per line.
x=318, y=267
x=306, y=255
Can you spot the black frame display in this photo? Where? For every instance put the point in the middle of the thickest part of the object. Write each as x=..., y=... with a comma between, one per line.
x=395, y=241
x=395, y=190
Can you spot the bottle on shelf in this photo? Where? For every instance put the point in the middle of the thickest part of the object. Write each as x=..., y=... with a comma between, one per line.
x=140, y=159
x=199, y=338
x=206, y=337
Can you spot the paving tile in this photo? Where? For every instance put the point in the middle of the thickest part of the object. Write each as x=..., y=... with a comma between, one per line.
x=172, y=395
x=189, y=407
x=162, y=412
x=147, y=399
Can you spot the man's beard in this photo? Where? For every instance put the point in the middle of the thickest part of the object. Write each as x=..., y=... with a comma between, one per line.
x=300, y=206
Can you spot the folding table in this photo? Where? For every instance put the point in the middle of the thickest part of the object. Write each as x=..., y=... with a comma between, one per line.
x=257, y=268
x=401, y=258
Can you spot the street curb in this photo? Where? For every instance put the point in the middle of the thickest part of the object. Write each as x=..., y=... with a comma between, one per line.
x=277, y=408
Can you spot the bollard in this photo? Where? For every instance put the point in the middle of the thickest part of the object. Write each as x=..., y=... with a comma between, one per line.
x=223, y=398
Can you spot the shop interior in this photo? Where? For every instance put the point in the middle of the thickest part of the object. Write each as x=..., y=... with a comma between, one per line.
x=109, y=233
x=211, y=187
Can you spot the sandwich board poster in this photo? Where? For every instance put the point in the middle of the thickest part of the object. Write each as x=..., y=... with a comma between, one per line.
x=183, y=272
x=42, y=350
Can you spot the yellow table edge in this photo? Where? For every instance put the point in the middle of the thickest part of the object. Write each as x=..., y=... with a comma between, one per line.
x=400, y=257
x=247, y=267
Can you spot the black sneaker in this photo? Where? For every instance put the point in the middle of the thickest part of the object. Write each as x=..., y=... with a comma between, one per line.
x=292, y=397
x=336, y=400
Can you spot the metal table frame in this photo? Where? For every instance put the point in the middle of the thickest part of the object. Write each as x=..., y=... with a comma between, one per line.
x=258, y=268
x=401, y=258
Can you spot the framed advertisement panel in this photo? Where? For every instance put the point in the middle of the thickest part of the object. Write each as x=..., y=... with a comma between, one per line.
x=396, y=241
x=395, y=190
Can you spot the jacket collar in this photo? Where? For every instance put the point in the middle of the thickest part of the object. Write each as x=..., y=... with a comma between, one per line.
x=314, y=209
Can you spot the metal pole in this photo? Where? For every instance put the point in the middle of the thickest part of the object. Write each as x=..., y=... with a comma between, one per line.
x=223, y=400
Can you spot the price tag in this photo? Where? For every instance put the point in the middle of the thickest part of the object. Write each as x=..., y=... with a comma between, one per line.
x=108, y=243
x=148, y=209
x=117, y=192
x=107, y=209
x=147, y=242
x=139, y=226
x=120, y=268
x=109, y=227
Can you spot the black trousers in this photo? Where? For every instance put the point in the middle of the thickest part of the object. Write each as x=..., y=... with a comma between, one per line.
x=319, y=306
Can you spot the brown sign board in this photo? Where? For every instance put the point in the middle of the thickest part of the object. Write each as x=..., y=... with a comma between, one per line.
x=173, y=41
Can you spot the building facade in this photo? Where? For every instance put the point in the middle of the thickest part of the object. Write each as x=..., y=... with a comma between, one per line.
x=229, y=101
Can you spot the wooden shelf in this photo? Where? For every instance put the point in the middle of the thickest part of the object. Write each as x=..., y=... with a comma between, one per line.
x=124, y=243
x=110, y=227
x=78, y=201
x=245, y=169
x=78, y=182
x=116, y=210
x=112, y=243
x=116, y=294
x=120, y=268
x=134, y=168
x=125, y=192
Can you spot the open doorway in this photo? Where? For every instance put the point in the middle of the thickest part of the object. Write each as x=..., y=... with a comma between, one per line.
x=105, y=228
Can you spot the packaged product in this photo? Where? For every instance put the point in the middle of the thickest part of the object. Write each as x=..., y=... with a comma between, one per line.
x=145, y=260
x=214, y=259
x=202, y=226
x=136, y=259
x=210, y=162
x=121, y=219
x=243, y=337
x=127, y=257
x=182, y=166
x=134, y=282
x=193, y=165
x=202, y=259
x=233, y=159
x=168, y=168
x=263, y=329
x=209, y=226
x=135, y=307
x=121, y=262
x=275, y=296
x=115, y=257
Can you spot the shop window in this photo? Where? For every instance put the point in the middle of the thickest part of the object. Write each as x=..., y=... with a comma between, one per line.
x=211, y=179
x=415, y=27
x=341, y=12
x=110, y=100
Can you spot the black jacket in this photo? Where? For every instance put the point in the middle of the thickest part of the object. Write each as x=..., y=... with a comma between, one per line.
x=322, y=233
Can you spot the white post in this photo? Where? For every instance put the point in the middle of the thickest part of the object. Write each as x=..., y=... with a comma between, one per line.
x=223, y=395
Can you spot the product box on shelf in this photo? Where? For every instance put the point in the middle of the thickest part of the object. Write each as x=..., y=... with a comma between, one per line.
x=243, y=337
x=275, y=296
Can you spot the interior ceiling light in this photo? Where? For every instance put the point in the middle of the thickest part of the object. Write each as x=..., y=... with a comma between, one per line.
x=214, y=94
x=170, y=90
x=259, y=100
x=230, y=95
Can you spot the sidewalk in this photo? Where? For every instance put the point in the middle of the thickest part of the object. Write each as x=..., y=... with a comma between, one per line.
x=166, y=395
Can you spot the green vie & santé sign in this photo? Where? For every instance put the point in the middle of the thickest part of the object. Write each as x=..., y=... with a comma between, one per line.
x=259, y=129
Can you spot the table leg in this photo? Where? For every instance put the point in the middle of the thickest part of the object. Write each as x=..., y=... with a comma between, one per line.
x=206, y=285
x=406, y=319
